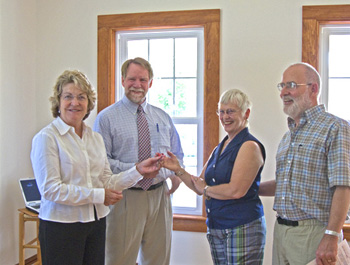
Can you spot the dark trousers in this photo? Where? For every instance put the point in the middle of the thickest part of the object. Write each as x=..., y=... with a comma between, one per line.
x=72, y=243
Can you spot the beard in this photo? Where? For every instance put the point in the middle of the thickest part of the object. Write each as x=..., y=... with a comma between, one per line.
x=136, y=95
x=299, y=106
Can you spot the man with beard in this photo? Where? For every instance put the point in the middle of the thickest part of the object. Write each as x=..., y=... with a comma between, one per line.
x=311, y=189
x=132, y=128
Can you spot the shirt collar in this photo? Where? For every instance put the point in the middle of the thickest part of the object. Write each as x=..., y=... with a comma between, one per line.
x=238, y=138
x=63, y=127
x=132, y=107
x=308, y=116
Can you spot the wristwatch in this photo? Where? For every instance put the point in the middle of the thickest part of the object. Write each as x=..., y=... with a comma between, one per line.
x=205, y=193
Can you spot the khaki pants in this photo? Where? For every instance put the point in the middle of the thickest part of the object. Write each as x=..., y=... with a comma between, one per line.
x=296, y=245
x=142, y=220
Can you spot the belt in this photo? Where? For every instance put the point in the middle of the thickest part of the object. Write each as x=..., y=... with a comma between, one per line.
x=153, y=187
x=287, y=222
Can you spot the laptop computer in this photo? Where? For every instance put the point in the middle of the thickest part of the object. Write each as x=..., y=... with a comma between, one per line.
x=31, y=194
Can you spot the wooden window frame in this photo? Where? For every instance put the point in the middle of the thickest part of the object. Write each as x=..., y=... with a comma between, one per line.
x=313, y=18
x=108, y=25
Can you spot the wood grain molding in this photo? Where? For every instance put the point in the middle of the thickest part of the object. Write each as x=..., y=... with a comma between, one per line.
x=313, y=17
x=209, y=19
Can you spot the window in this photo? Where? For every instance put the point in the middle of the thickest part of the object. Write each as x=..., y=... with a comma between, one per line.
x=314, y=17
x=176, y=57
x=209, y=20
x=335, y=68
x=325, y=28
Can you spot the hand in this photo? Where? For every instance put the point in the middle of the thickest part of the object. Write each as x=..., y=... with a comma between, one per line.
x=175, y=183
x=327, y=250
x=149, y=165
x=170, y=162
x=199, y=184
x=112, y=197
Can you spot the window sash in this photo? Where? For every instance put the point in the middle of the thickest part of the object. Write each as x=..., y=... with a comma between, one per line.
x=122, y=38
x=325, y=32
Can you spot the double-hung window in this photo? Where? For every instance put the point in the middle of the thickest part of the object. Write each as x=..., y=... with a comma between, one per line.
x=176, y=57
x=178, y=87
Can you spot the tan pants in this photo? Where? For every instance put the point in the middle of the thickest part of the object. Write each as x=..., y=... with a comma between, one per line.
x=142, y=220
x=296, y=245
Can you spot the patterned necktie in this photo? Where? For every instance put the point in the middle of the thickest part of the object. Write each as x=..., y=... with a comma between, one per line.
x=144, y=144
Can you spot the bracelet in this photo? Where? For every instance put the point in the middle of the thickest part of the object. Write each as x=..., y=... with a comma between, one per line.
x=332, y=233
x=205, y=193
x=179, y=173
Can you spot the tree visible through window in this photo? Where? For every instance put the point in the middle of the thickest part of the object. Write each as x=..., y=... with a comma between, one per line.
x=176, y=57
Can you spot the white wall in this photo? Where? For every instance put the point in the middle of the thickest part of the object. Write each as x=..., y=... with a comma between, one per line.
x=41, y=38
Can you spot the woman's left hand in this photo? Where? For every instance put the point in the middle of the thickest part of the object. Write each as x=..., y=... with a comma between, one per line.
x=199, y=184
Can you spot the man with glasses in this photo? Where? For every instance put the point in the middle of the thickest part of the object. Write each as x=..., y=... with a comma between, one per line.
x=312, y=186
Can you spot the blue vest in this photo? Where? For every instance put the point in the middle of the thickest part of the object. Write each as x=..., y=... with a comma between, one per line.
x=224, y=214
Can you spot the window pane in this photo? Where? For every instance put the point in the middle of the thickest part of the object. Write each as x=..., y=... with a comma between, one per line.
x=185, y=197
x=186, y=57
x=161, y=95
x=161, y=57
x=185, y=98
x=339, y=55
x=138, y=48
x=338, y=98
x=175, y=91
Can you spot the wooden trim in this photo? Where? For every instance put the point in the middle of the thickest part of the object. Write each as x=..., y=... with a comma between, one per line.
x=209, y=19
x=313, y=17
x=346, y=231
x=193, y=223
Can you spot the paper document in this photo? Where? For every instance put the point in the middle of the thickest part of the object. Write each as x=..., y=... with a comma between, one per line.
x=343, y=256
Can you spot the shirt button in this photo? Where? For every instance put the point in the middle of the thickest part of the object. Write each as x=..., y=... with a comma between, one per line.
x=213, y=166
x=213, y=180
x=208, y=210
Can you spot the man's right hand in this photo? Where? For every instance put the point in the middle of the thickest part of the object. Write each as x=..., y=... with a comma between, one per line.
x=149, y=166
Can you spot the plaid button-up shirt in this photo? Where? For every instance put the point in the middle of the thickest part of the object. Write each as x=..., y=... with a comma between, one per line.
x=311, y=160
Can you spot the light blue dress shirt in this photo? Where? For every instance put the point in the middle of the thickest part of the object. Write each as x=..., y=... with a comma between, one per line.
x=118, y=127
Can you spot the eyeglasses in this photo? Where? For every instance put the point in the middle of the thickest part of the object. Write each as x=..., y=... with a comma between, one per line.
x=229, y=112
x=70, y=97
x=290, y=85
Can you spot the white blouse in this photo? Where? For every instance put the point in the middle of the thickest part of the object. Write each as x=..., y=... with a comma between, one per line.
x=72, y=173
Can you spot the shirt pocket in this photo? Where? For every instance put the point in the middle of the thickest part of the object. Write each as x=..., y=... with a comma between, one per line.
x=163, y=133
